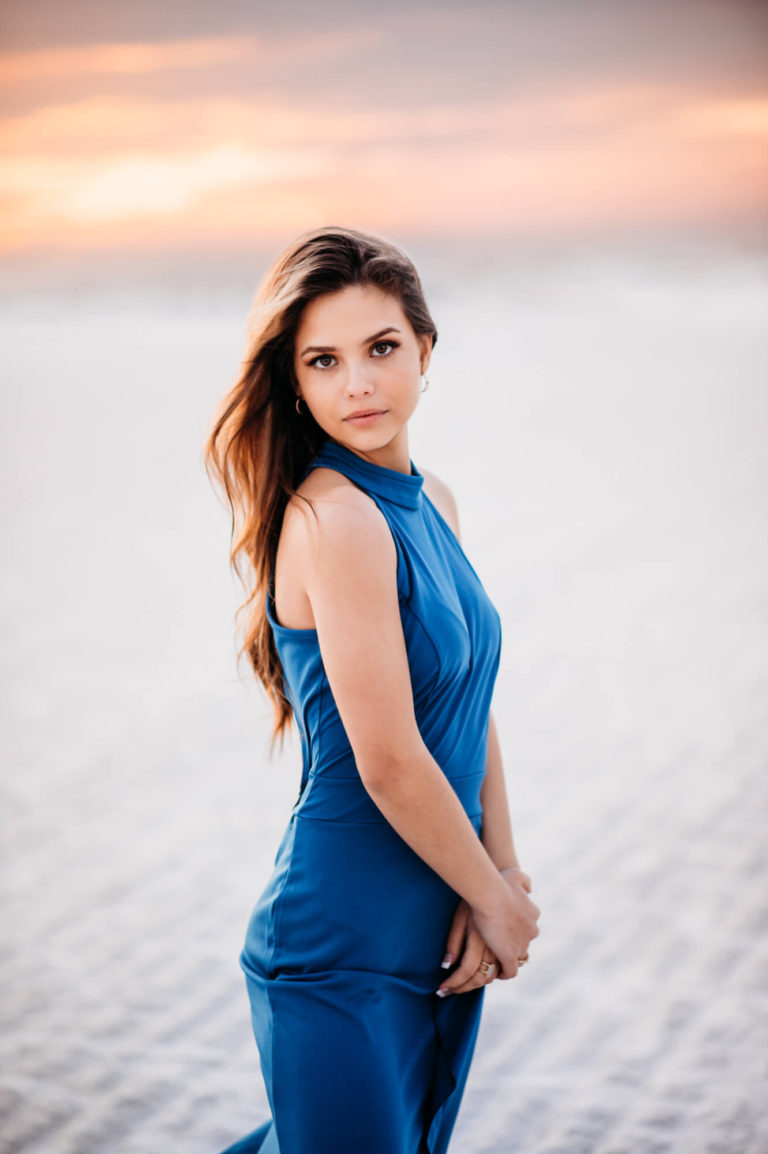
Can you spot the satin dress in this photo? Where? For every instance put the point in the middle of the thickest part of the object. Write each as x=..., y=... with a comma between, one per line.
x=343, y=948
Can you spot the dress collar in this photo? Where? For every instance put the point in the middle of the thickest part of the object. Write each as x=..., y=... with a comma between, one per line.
x=402, y=488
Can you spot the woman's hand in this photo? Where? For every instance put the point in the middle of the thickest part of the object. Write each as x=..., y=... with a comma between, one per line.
x=509, y=926
x=511, y=930
x=515, y=874
x=464, y=943
x=477, y=964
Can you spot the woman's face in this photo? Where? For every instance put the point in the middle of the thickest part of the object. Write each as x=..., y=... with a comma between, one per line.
x=358, y=362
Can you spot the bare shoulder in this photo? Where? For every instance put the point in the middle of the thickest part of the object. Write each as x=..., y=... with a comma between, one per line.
x=332, y=533
x=442, y=498
x=328, y=502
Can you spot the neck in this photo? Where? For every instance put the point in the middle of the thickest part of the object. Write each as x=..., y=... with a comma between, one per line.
x=394, y=455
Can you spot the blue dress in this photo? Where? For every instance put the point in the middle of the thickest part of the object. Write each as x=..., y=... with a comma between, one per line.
x=343, y=949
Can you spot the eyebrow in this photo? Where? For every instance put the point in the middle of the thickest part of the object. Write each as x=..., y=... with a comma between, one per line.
x=332, y=348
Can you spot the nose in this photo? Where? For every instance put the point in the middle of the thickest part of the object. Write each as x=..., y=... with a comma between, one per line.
x=358, y=383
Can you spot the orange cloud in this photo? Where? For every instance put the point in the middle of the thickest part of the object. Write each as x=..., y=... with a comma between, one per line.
x=108, y=168
x=130, y=59
x=746, y=118
x=125, y=59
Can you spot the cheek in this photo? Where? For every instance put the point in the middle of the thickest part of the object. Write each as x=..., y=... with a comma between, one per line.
x=411, y=386
x=404, y=379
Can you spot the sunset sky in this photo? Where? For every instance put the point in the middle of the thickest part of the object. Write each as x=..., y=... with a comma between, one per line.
x=144, y=127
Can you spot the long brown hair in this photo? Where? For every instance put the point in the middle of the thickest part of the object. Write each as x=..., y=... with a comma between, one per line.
x=259, y=447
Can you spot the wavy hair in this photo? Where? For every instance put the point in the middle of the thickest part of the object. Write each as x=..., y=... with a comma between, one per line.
x=259, y=447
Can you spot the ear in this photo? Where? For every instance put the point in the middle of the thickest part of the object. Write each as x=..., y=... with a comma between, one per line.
x=425, y=345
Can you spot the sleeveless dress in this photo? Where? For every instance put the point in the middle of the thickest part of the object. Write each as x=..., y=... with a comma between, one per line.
x=343, y=949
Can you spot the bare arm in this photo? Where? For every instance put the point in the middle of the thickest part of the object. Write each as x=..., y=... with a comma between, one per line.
x=351, y=585
x=497, y=825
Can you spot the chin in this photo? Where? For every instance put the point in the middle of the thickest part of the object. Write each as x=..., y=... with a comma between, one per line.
x=366, y=439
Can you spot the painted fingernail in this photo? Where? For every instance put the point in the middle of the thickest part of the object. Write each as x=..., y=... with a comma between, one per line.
x=443, y=993
x=446, y=962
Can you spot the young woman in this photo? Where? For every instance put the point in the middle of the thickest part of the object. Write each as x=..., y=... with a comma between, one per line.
x=396, y=895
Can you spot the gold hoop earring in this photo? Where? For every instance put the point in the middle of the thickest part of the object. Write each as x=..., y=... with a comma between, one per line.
x=298, y=405
x=425, y=386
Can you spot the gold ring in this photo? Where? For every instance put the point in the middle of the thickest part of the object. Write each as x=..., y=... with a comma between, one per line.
x=487, y=968
x=523, y=960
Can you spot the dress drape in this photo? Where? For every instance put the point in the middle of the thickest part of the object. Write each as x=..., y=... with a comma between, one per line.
x=343, y=948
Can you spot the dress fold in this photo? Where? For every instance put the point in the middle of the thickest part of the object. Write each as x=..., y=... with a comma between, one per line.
x=343, y=948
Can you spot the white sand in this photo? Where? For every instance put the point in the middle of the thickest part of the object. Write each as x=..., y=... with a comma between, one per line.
x=604, y=428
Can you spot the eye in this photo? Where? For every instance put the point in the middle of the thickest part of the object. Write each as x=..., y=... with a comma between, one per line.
x=387, y=345
x=321, y=357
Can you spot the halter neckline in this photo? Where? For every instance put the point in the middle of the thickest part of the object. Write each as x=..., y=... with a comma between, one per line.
x=402, y=488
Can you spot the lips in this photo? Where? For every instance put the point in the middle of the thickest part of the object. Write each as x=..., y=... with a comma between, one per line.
x=364, y=413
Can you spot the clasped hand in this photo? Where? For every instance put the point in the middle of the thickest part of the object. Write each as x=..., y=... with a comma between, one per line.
x=500, y=938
